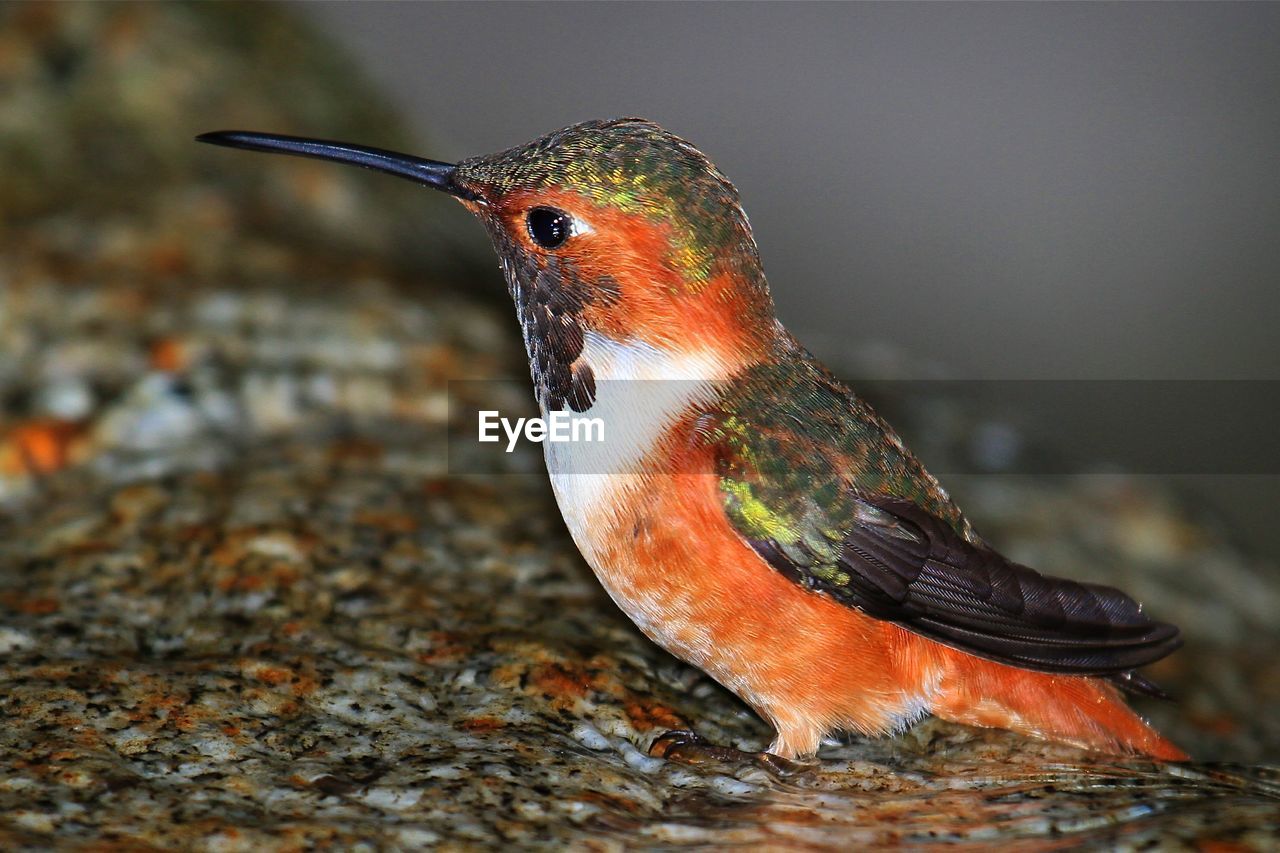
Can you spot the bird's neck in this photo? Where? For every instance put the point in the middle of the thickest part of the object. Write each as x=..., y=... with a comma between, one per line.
x=709, y=334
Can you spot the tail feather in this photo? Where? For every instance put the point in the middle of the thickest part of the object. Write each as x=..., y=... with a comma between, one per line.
x=1138, y=684
x=1083, y=711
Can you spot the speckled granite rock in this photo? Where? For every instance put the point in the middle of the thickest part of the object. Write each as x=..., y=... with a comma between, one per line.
x=244, y=603
x=294, y=629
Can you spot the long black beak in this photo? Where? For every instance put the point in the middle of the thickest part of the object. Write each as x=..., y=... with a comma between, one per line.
x=430, y=172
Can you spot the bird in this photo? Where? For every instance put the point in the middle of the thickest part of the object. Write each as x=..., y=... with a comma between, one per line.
x=748, y=511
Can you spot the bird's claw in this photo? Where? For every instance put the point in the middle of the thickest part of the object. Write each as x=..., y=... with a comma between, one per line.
x=688, y=747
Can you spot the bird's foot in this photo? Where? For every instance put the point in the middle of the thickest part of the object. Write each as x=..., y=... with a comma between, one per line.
x=688, y=747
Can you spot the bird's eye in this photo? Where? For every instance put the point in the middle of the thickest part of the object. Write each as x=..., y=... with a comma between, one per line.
x=549, y=227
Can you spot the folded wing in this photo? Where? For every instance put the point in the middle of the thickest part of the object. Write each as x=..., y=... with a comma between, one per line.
x=899, y=563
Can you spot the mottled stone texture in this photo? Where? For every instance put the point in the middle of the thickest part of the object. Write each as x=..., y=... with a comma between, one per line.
x=244, y=604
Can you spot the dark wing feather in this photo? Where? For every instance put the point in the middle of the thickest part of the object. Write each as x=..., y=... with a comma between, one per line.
x=901, y=564
x=820, y=487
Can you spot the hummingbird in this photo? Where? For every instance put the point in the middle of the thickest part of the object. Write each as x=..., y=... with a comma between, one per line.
x=759, y=520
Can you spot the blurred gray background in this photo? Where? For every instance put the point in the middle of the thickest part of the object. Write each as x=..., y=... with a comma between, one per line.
x=1001, y=191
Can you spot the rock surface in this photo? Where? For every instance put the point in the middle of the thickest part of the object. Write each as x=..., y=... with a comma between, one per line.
x=246, y=600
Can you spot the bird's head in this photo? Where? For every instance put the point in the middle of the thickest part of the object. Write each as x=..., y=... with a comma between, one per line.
x=610, y=230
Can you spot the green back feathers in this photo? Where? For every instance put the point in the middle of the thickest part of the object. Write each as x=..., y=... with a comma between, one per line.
x=795, y=448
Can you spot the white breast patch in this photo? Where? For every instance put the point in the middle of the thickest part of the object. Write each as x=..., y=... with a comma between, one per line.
x=641, y=390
